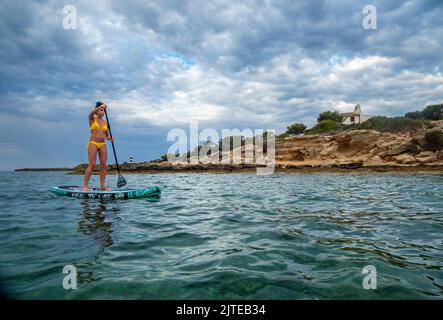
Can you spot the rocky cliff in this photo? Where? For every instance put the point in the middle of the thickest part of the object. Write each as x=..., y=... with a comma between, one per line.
x=368, y=147
x=348, y=150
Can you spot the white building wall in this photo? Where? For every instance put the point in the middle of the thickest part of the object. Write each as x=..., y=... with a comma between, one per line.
x=357, y=119
x=347, y=120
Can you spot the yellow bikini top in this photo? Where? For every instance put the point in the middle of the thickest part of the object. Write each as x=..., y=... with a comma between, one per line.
x=96, y=126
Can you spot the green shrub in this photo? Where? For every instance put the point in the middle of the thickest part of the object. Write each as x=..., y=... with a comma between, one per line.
x=296, y=128
x=434, y=140
x=414, y=147
x=325, y=126
x=230, y=140
x=161, y=159
x=330, y=115
x=433, y=112
x=396, y=124
x=414, y=115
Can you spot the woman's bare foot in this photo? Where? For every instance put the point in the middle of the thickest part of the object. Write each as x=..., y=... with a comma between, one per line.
x=85, y=189
x=105, y=188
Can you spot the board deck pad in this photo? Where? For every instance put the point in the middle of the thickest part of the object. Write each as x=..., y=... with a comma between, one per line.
x=93, y=193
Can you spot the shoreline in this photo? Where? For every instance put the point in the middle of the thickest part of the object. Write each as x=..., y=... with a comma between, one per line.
x=42, y=169
x=348, y=151
x=279, y=168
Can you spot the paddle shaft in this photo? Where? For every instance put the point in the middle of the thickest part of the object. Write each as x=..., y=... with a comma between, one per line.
x=113, y=148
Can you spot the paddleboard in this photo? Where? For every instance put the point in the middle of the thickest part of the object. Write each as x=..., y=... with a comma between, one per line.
x=77, y=192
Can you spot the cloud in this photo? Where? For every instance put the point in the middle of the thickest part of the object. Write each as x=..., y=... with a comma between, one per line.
x=249, y=64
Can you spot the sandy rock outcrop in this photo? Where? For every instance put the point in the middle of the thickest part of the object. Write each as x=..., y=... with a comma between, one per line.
x=365, y=146
x=405, y=158
x=426, y=157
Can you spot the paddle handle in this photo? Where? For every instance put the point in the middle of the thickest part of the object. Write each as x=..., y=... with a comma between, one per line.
x=113, y=148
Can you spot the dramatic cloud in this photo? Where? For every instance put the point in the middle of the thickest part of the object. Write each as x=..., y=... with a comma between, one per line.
x=160, y=64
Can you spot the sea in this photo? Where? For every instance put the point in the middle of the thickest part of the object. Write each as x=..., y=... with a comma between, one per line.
x=290, y=236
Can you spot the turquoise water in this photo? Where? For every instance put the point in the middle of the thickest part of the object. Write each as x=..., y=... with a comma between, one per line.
x=219, y=236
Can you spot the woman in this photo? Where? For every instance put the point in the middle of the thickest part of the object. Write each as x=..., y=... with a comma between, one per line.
x=97, y=144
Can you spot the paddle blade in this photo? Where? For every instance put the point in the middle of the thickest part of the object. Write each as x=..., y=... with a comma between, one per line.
x=121, y=181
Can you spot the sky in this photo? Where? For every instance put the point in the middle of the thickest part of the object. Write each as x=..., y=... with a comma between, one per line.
x=226, y=64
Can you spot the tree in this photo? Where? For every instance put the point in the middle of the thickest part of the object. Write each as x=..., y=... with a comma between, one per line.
x=433, y=112
x=330, y=115
x=414, y=115
x=325, y=126
x=296, y=128
x=395, y=124
x=434, y=140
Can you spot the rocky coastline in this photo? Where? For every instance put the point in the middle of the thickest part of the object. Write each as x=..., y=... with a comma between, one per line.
x=347, y=151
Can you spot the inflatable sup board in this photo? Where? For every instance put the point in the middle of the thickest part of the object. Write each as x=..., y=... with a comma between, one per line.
x=77, y=192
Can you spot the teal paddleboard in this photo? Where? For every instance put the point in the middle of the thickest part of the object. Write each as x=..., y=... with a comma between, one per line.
x=77, y=192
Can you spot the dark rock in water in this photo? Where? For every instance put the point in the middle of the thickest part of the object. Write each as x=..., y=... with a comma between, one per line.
x=44, y=169
x=354, y=165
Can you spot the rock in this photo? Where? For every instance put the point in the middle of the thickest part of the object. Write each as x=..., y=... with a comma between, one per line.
x=43, y=169
x=328, y=149
x=426, y=156
x=399, y=147
x=353, y=165
x=405, y=158
x=375, y=159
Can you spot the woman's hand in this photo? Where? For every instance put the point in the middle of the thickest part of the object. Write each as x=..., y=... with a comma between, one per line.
x=111, y=139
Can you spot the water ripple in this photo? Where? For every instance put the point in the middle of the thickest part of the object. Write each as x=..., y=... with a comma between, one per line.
x=216, y=236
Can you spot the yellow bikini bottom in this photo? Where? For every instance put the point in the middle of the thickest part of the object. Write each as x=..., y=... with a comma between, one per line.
x=98, y=144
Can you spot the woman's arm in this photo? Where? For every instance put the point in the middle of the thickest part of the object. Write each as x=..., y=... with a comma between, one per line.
x=95, y=110
x=108, y=136
x=92, y=114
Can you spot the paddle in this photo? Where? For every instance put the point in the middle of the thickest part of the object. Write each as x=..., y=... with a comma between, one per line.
x=121, y=181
